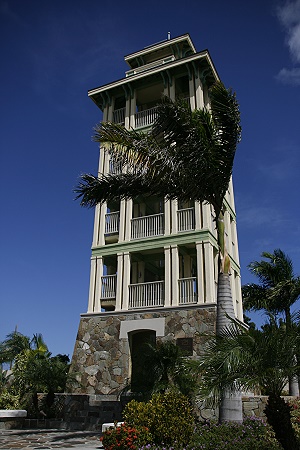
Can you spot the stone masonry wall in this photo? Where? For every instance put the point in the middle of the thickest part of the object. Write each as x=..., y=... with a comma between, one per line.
x=101, y=360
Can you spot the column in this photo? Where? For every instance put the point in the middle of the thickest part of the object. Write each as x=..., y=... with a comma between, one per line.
x=122, y=220
x=210, y=294
x=129, y=204
x=126, y=280
x=200, y=272
x=167, y=216
x=92, y=285
x=119, y=281
x=132, y=111
x=101, y=233
x=127, y=112
x=98, y=283
x=199, y=94
x=192, y=93
x=175, y=275
x=174, y=209
x=168, y=276
x=198, y=218
x=96, y=226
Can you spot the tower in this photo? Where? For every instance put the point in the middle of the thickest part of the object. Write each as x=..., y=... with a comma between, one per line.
x=154, y=261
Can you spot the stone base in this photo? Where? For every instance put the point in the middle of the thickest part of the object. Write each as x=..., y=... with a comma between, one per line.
x=101, y=358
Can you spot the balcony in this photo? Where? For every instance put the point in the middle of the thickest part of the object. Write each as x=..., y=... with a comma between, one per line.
x=147, y=226
x=108, y=287
x=147, y=295
x=112, y=222
x=187, y=290
x=186, y=219
x=145, y=118
x=119, y=116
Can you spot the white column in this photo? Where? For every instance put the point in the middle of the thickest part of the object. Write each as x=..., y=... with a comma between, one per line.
x=127, y=113
x=122, y=220
x=101, y=234
x=200, y=272
x=175, y=275
x=110, y=110
x=132, y=111
x=92, y=285
x=198, y=219
x=172, y=90
x=174, y=209
x=98, y=284
x=168, y=276
x=206, y=215
x=199, y=94
x=96, y=226
x=119, y=281
x=128, y=220
x=238, y=291
x=210, y=294
x=126, y=280
x=192, y=93
x=167, y=214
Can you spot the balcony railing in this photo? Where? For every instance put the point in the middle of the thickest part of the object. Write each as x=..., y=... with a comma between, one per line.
x=145, y=118
x=115, y=167
x=119, y=116
x=147, y=295
x=147, y=226
x=186, y=219
x=187, y=290
x=112, y=222
x=108, y=286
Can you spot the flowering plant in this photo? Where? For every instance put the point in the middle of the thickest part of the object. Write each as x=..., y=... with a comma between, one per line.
x=125, y=437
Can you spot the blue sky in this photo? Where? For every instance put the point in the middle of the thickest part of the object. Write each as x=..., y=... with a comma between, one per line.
x=52, y=53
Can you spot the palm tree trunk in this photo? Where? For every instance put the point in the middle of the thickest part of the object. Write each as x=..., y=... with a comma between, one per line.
x=230, y=409
x=293, y=380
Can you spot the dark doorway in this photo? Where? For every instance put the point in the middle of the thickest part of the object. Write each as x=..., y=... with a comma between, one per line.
x=141, y=380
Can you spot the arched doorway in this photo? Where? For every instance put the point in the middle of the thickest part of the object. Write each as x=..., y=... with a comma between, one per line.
x=141, y=380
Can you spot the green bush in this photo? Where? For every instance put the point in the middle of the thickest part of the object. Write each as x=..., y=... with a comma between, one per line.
x=295, y=415
x=125, y=437
x=168, y=417
x=9, y=400
x=252, y=434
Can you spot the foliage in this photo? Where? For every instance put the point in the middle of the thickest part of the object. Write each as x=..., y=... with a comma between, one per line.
x=13, y=344
x=279, y=288
x=125, y=437
x=252, y=434
x=8, y=400
x=168, y=416
x=295, y=415
x=278, y=413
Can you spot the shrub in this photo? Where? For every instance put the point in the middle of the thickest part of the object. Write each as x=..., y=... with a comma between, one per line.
x=125, y=437
x=295, y=415
x=252, y=434
x=9, y=400
x=168, y=416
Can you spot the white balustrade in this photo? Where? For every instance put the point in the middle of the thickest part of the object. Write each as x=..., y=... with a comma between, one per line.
x=186, y=219
x=146, y=295
x=108, y=286
x=119, y=116
x=145, y=118
x=187, y=290
x=147, y=226
x=112, y=222
x=115, y=167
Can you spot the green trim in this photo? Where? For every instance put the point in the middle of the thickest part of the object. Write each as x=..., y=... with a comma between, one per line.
x=155, y=242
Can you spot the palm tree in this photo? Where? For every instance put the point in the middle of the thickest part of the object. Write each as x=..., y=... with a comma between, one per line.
x=252, y=359
x=13, y=344
x=188, y=155
x=278, y=290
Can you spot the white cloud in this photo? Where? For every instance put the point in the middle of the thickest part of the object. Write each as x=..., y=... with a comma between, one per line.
x=289, y=76
x=289, y=15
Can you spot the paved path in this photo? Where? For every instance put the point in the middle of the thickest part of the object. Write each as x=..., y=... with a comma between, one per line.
x=49, y=439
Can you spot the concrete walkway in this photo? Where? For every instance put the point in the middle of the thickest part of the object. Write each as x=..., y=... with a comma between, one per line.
x=49, y=439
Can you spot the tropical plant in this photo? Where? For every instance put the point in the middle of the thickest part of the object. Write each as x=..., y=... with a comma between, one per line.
x=187, y=155
x=278, y=290
x=252, y=359
x=125, y=437
x=13, y=344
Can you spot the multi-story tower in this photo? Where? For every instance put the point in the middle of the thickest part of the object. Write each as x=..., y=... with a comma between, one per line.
x=154, y=262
